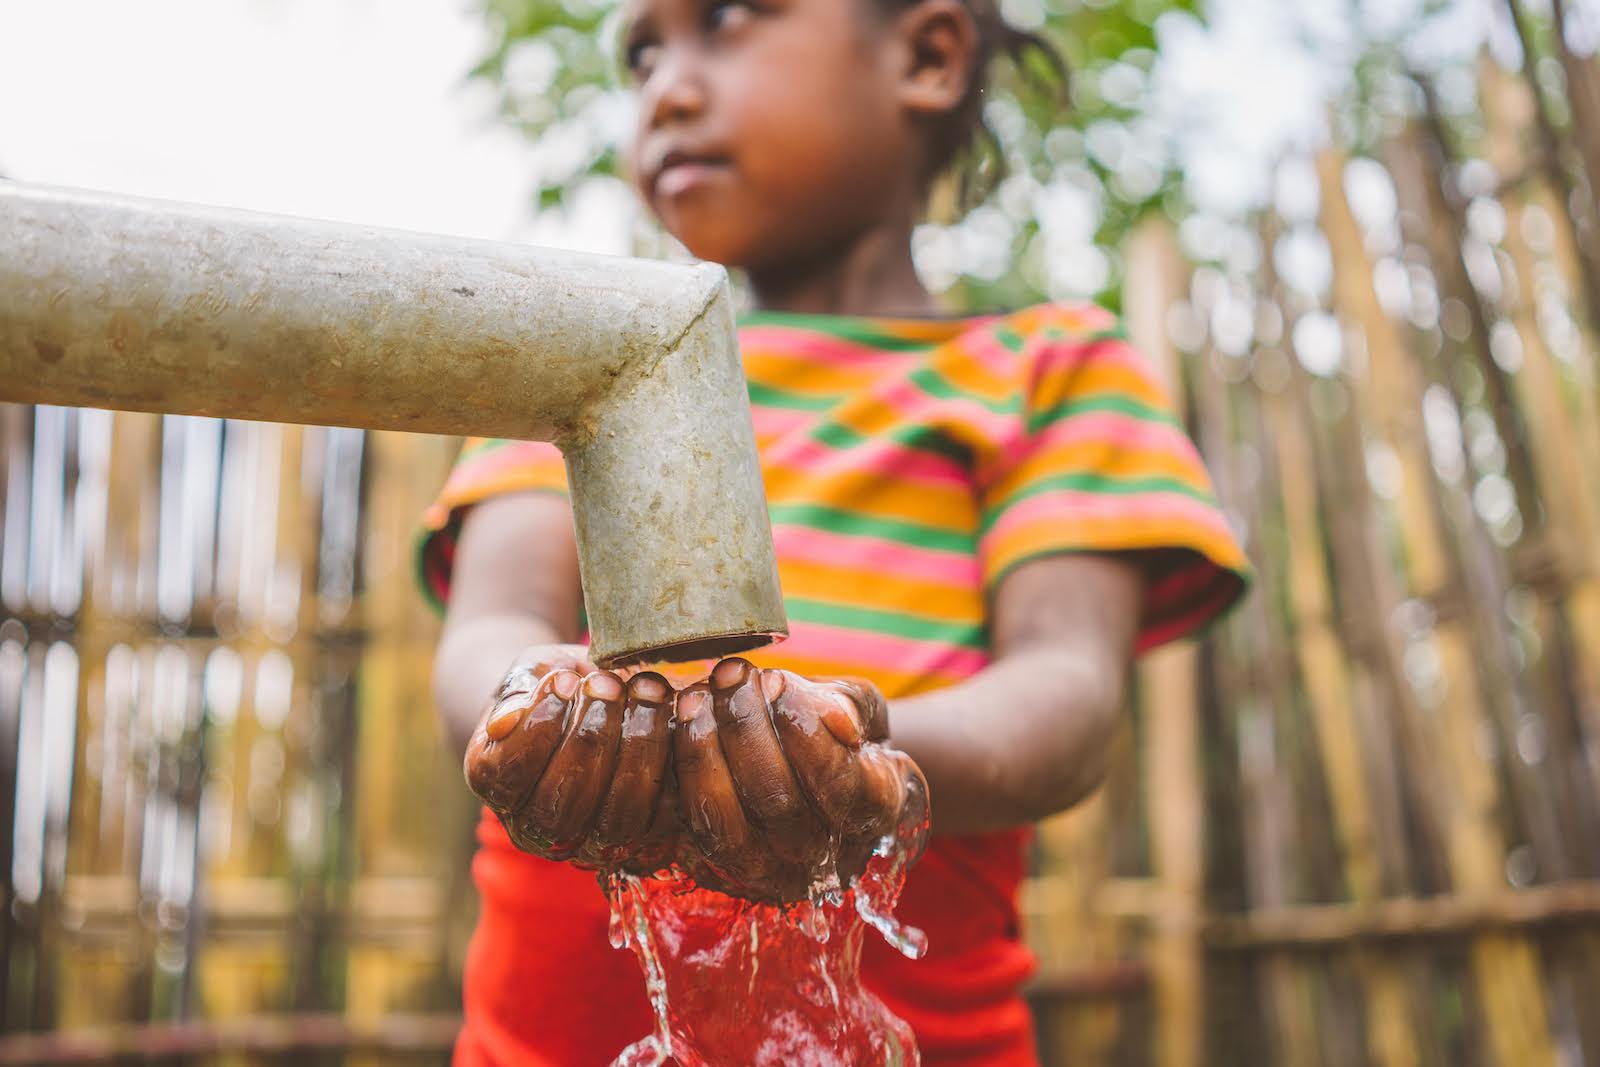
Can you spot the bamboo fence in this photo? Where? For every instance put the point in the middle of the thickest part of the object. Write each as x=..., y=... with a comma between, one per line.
x=1358, y=824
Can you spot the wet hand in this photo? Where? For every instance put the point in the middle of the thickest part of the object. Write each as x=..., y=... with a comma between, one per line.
x=574, y=761
x=781, y=777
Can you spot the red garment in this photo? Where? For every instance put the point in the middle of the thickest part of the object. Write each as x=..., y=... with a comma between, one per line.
x=541, y=973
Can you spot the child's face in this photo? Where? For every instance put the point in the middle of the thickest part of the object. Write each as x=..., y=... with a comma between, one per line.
x=769, y=130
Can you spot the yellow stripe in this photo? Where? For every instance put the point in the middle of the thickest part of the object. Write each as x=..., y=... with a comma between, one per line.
x=894, y=684
x=864, y=492
x=971, y=375
x=863, y=588
x=1095, y=379
x=1107, y=535
x=791, y=373
x=1101, y=458
x=509, y=481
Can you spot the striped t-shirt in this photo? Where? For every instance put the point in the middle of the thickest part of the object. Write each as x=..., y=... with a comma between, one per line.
x=910, y=465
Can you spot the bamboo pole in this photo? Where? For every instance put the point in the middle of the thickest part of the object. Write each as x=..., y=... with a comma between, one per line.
x=1566, y=426
x=1506, y=970
x=1482, y=571
x=1170, y=704
x=1391, y=1038
x=1578, y=213
x=1583, y=97
x=1265, y=705
x=1399, y=919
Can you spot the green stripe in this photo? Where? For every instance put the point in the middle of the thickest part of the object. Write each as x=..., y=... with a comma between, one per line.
x=1089, y=482
x=929, y=439
x=767, y=396
x=838, y=520
x=866, y=331
x=892, y=623
x=1113, y=402
x=1118, y=331
x=936, y=385
x=482, y=448
x=1010, y=339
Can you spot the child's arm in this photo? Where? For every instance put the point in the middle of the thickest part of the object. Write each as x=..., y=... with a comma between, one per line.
x=514, y=589
x=1028, y=736
x=1024, y=738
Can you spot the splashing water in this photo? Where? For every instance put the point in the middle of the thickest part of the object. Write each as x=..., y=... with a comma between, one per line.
x=734, y=983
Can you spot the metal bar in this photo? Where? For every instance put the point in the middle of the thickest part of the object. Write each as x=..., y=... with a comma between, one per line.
x=631, y=366
x=1321, y=926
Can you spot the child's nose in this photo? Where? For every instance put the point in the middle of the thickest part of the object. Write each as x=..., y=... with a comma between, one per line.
x=676, y=89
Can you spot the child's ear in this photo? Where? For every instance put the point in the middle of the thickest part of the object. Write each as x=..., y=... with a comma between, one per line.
x=941, y=44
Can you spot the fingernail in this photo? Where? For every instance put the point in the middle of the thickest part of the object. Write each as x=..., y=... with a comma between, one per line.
x=565, y=684
x=504, y=720
x=603, y=685
x=729, y=673
x=692, y=703
x=519, y=680
x=773, y=684
x=845, y=724
x=649, y=687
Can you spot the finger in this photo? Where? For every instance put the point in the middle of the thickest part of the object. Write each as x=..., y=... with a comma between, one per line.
x=870, y=710
x=895, y=788
x=660, y=846
x=707, y=799
x=826, y=768
x=916, y=814
x=761, y=773
x=509, y=752
x=534, y=663
x=629, y=807
x=882, y=795
x=559, y=813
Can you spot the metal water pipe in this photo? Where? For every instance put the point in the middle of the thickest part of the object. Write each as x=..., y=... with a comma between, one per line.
x=630, y=366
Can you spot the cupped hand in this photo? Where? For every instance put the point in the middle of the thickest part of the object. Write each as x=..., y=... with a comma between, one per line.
x=783, y=787
x=575, y=761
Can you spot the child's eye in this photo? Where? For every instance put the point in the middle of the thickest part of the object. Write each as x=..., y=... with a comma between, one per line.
x=640, y=57
x=725, y=14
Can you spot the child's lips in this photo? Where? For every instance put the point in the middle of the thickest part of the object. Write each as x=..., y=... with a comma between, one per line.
x=681, y=176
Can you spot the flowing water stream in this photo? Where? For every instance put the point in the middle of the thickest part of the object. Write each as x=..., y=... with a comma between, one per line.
x=736, y=984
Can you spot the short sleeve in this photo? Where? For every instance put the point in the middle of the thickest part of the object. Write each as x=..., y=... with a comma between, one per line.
x=485, y=468
x=1100, y=462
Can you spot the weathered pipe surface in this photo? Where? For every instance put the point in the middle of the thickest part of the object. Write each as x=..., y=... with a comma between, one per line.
x=631, y=366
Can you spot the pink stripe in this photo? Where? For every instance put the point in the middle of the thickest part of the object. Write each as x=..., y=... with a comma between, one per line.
x=1068, y=505
x=954, y=569
x=495, y=462
x=810, y=458
x=778, y=422
x=987, y=351
x=1112, y=429
x=769, y=342
x=869, y=651
x=1115, y=430
x=911, y=404
x=1079, y=318
x=1074, y=355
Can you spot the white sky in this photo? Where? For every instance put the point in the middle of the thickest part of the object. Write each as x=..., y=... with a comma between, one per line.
x=344, y=109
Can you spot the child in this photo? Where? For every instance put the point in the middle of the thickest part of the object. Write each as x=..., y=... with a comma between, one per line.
x=985, y=518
